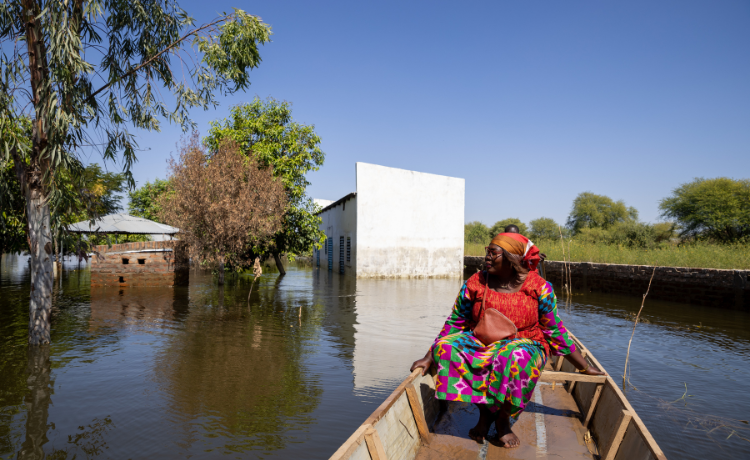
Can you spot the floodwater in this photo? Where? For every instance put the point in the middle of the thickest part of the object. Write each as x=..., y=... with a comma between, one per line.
x=200, y=372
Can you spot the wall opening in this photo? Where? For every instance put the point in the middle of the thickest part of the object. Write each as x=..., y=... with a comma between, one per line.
x=122, y=279
x=348, y=248
x=341, y=255
x=141, y=261
x=125, y=261
x=330, y=254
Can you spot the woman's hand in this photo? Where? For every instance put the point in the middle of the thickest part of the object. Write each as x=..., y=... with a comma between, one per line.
x=425, y=363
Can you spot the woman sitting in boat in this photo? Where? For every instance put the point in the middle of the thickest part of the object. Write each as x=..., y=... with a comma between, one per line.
x=500, y=377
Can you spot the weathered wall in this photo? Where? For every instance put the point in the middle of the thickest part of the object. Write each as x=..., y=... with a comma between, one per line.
x=699, y=286
x=409, y=224
x=150, y=263
x=338, y=221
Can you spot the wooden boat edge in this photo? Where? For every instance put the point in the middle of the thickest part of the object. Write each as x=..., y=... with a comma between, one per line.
x=367, y=434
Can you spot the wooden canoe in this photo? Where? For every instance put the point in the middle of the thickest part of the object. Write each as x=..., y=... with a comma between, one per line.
x=572, y=416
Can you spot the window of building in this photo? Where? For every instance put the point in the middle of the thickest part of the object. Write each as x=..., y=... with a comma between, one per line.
x=125, y=261
x=341, y=255
x=141, y=261
x=348, y=248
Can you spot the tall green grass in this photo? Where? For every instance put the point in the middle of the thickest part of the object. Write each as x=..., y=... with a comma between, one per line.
x=696, y=255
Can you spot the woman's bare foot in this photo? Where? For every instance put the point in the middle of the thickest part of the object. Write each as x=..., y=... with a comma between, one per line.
x=505, y=436
x=479, y=432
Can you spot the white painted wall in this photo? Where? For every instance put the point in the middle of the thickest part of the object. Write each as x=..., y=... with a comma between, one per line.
x=340, y=220
x=409, y=224
x=321, y=202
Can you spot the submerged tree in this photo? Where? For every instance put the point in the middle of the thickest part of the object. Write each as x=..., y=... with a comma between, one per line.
x=223, y=205
x=266, y=130
x=82, y=71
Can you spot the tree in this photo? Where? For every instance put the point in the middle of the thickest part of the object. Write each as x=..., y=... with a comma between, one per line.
x=144, y=200
x=713, y=208
x=13, y=228
x=476, y=233
x=500, y=225
x=223, y=204
x=12, y=212
x=598, y=211
x=544, y=228
x=266, y=130
x=49, y=74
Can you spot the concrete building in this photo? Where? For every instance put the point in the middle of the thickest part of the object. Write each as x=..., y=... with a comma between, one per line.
x=149, y=263
x=398, y=224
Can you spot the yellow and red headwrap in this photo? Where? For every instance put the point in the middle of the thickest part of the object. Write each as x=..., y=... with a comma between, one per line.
x=518, y=244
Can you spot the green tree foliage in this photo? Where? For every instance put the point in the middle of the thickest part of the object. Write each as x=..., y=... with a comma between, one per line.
x=13, y=229
x=598, y=211
x=544, y=228
x=12, y=212
x=665, y=231
x=85, y=195
x=629, y=234
x=266, y=129
x=476, y=233
x=144, y=200
x=500, y=225
x=83, y=71
x=717, y=209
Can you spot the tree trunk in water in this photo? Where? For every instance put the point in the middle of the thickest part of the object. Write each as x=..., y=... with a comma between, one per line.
x=279, y=265
x=221, y=271
x=37, y=401
x=40, y=242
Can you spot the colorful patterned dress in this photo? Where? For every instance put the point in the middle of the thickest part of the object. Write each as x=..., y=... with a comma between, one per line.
x=509, y=369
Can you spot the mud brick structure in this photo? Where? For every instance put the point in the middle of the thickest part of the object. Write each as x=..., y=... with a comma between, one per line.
x=149, y=263
x=699, y=286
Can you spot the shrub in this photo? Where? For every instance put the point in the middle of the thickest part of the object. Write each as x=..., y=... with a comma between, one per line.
x=544, y=228
x=476, y=232
x=500, y=225
x=718, y=209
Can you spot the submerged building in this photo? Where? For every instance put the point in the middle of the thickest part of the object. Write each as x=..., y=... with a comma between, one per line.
x=149, y=263
x=398, y=224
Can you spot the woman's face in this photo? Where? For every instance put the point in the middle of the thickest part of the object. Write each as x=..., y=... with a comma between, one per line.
x=493, y=259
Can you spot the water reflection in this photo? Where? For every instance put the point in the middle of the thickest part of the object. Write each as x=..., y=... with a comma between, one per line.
x=199, y=370
x=37, y=401
x=237, y=369
x=397, y=320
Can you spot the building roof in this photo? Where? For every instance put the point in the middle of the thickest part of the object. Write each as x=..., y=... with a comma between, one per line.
x=338, y=202
x=122, y=224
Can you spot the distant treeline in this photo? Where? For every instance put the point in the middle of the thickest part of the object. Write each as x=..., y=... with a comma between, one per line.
x=704, y=210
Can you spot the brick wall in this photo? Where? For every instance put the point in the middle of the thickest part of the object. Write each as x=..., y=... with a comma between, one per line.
x=699, y=286
x=149, y=263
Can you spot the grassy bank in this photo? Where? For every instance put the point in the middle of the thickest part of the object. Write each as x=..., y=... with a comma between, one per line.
x=699, y=255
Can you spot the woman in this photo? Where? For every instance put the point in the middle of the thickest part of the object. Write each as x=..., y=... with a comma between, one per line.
x=500, y=377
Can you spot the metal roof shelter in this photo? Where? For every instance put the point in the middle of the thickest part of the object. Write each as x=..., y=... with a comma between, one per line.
x=122, y=224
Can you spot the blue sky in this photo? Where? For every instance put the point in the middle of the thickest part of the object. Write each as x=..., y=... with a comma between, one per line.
x=530, y=102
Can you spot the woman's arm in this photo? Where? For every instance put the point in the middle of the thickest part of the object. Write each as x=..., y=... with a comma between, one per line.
x=460, y=317
x=556, y=335
x=458, y=321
